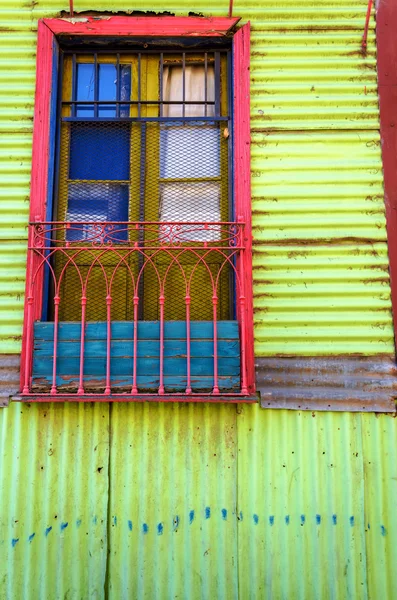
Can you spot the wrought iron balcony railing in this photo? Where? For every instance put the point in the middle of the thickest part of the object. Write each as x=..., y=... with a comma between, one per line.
x=135, y=309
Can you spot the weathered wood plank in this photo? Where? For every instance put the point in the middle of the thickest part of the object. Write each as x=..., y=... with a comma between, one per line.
x=148, y=330
x=148, y=349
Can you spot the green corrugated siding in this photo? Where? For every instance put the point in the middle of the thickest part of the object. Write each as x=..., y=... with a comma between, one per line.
x=201, y=502
x=309, y=497
x=316, y=170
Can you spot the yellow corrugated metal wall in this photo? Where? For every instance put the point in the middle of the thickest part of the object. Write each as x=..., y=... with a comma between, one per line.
x=138, y=501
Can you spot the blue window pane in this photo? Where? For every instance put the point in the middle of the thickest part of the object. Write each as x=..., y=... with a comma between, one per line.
x=107, y=89
x=96, y=203
x=85, y=74
x=100, y=151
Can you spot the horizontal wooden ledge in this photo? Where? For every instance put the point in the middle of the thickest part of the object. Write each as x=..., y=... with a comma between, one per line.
x=213, y=399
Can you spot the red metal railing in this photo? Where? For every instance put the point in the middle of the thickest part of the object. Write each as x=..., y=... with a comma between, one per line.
x=58, y=248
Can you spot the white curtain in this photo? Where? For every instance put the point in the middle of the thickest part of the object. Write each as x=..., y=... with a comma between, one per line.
x=190, y=151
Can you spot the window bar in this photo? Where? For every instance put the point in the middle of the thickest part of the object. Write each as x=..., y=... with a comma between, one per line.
x=215, y=389
x=134, y=389
x=183, y=83
x=82, y=341
x=141, y=234
x=54, y=357
x=205, y=82
x=74, y=84
x=139, y=85
x=96, y=85
x=161, y=382
x=161, y=82
x=217, y=84
x=118, y=85
x=108, y=340
x=188, y=365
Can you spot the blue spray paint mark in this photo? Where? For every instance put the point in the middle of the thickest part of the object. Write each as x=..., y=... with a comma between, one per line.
x=160, y=529
x=287, y=519
x=191, y=517
x=130, y=525
x=256, y=519
x=31, y=537
x=224, y=514
x=271, y=520
x=63, y=526
x=207, y=512
x=383, y=530
x=240, y=517
x=47, y=531
x=95, y=519
x=318, y=519
x=145, y=528
x=176, y=522
x=334, y=519
x=78, y=522
x=14, y=541
x=303, y=519
x=114, y=520
x=351, y=520
x=369, y=526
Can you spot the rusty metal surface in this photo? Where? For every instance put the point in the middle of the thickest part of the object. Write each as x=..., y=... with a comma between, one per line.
x=325, y=383
x=9, y=377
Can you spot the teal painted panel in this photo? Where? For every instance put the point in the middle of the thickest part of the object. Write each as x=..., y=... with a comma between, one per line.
x=146, y=330
x=148, y=363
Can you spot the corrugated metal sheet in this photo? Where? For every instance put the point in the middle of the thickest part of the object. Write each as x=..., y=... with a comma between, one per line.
x=222, y=501
x=328, y=382
x=173, y=502
x=54, y=494
x=202, y=502
x=302, y=498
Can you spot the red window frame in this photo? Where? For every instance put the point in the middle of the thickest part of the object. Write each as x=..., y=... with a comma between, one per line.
x=386, y=27
x=47, y=47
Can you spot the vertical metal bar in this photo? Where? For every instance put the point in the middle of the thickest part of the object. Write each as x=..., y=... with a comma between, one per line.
x=82, y=343
x=118, y=85
x=205, y=82
x=139, y=84
x=142, y=191
x=134, y=389
x=161, y=383
x=188, y=358
x=215, y=389
x=217, y=74
x=108, y=342
x=55, y=347
x=96, y=85
x=183, y=83
x=74, y=84
x=161, y=82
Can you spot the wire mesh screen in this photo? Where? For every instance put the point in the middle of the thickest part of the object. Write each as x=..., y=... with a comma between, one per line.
x=159, y=172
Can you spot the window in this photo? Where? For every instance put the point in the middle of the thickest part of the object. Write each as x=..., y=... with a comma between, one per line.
x=139, y=273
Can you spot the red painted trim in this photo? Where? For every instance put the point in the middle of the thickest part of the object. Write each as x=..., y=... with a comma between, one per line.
x=137, y=398
x=147, y=26
x=386, y=27
x=242, y=178
x=143, y=26
x=40, y=154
